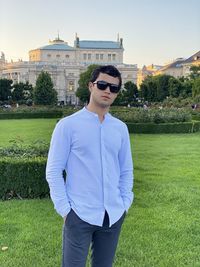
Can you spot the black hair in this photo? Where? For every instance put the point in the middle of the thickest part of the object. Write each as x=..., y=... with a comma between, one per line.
x=107, y=69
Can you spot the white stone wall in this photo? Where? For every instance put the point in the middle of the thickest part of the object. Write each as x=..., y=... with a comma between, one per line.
x=52, y=56
x=100, y=56
x=87, y=56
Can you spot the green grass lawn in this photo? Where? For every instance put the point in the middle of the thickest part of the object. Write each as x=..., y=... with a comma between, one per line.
x=27, y=130
x=162, y=228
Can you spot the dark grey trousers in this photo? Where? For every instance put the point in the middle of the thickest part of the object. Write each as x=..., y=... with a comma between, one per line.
x=78, y=235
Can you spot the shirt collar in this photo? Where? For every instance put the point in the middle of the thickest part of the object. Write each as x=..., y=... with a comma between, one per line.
x=93, y=113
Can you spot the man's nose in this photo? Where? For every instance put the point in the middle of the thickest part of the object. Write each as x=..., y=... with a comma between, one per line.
x=107, y=89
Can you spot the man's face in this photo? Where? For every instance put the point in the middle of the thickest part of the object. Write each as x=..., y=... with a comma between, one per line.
x=103, y=98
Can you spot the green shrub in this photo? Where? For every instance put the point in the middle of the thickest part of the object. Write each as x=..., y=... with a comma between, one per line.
x=23, y=177
x=18, y=149
x=24, y=112
x=151, y=128
x=30, y=115
x=140, y=115
x=196, y=115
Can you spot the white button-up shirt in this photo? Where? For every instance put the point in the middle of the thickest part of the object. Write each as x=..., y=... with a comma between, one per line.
x=97, y=159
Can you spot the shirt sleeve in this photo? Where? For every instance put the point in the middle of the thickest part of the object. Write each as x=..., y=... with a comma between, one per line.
x=126, y=170
x=57, y=159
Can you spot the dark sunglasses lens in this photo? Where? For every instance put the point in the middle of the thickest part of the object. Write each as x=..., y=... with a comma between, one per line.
x=102, y=85
x=114, y=88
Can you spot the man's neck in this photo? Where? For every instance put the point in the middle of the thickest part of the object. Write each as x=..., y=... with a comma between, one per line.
x=98, y=110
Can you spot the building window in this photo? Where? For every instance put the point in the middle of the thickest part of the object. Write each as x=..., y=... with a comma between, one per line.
x=71, y=86
x=84, y=56
x=101, y=56
x=109, y=57
x=67, y=56
x=97, y=56
x=113, y=57
x=89, y=56
x=49, y=55
x=57, y=56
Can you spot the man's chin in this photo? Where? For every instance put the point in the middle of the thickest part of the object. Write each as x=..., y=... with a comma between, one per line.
x=105, y=105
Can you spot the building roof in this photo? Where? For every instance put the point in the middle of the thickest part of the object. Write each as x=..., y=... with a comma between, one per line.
x=193, y=58
x=99, y=44
x=176, y=64
x=57, y=46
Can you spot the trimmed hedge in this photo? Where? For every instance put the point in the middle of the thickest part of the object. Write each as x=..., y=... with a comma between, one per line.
x=31, y=115
x=23, y=177
x=196, y=117
x=152, y=128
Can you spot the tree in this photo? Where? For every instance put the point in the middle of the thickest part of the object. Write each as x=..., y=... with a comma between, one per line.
x=155, y=88
x=143, y=93
x=194, y=72
x=162, y=86
x=130, y=93
x=148, y=89
x=44, y=93
x=175, y=87
x=17, y=93
x=119, y=101
x=5, y=89
x=22, y=92
x=82, y=92
x=186, y=88
x=196, y=87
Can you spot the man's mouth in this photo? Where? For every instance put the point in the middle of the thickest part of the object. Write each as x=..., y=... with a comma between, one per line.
x=107, y=97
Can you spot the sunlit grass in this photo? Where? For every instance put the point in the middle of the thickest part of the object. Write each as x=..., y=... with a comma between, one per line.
x=26, y=130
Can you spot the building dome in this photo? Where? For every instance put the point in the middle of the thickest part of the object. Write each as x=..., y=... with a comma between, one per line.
x=57, y=44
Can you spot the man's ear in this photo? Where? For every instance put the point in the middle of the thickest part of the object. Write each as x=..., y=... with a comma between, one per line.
x=90, y=86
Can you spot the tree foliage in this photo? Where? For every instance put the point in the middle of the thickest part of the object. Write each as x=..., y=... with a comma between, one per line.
x=175, y=87
x=194, y=72
x=196, y=87
x=130, y=93
x=158, y=88
x=148, y=89
x=22, y=92
x=44, y=93
x=82, y=92
x=5, y=89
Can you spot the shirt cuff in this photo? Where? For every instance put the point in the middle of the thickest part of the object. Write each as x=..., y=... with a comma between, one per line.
x=63, y=212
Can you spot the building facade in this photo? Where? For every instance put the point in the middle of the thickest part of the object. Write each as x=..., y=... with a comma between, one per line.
x=146, y=71
x=65, y=63
x=180, y=67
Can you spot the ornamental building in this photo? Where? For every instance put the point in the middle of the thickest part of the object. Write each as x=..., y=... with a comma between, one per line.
x=65, y=63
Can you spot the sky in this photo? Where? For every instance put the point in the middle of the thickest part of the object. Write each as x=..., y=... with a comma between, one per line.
x=153, y=31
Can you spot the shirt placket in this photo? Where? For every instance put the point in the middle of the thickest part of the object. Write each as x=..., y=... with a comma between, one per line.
x=103, y=165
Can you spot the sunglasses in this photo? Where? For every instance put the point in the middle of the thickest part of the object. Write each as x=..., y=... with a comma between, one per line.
x=102, y=85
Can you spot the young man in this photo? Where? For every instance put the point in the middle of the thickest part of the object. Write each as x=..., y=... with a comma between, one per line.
x=94, y=149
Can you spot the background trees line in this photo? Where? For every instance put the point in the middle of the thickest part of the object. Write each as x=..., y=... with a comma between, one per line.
x=24, y=93
x=152, y=89
x=158, y=88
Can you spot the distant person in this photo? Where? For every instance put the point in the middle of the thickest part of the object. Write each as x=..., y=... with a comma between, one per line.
x=94, y=149
x=145, y=106
x=194, y=106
